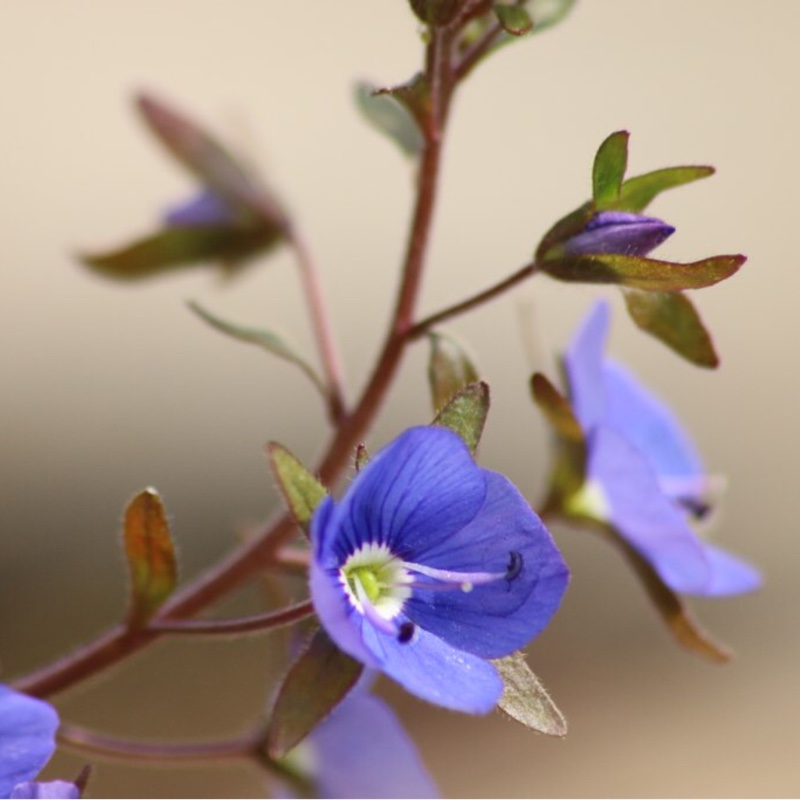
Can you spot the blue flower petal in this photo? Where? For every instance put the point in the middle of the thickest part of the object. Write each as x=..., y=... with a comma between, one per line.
x=51, y=790
x=361, y=750
x=583, y=362
x=495, y=619
x=422, y=486
x=649, y=425
x=619, y=232
x=27, y=737
x=729, y=575
x=202, y=210
x=433, y=670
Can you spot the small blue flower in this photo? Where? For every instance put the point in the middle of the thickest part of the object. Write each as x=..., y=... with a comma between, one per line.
x=644, y=475
x=202, y=210
x=430, y=565
x=361, y=750
x=618, y=232
x=27, y=740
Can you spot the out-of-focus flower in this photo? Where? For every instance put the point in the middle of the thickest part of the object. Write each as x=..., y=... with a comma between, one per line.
x=643, y=473
x=430, y=565
x=618, y=232
x=27, y=740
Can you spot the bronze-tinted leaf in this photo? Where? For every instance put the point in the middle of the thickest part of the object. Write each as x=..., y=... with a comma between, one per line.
x=150, y=554
x=637, y=192
x=266, y=340
x=514, y=19
x=176, y=247
x=647, y=274
x=555, y=408
x=449, y=369
x=524, y=698
x=608, y=170
x=301, y=490
x=317, y=682
x=672, y=318
x=466, y=413
x=415, y=97
x=390, y=117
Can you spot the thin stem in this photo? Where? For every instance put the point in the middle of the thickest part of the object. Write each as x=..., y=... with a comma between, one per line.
x=422, y=327
x=260, y=553
x=323, y=329
x=77, y=738
x=222, y=627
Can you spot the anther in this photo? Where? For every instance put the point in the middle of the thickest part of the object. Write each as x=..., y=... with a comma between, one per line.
x=406, y=632
x=514, y=565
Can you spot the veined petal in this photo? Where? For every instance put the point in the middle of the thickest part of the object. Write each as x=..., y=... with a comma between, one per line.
x=649, y=425
x=361, y=750
x=422, y=487
x=27, y=737
x=583, y=362
x=494, y=619
x=433, y=670
x=646, y=517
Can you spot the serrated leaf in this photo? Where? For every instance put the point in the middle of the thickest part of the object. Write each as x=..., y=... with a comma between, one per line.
x=449, y=369
x=266, y=340
x=638, y=192
x=200, y=152
x=175, y=247
x=391, y=117
x=647, y=274
x=466, y=413
x=668, y=604
x=524, y=698
x=150, y=554
x=317, y=682
x=301, y=490
x=608, y=170
x=556, y=409
x=672, y=318
x=514, y=19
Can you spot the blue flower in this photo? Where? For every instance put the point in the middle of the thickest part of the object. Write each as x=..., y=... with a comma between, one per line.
x=361, y=750
x=644, y=474
x=27, y=740
x=430, y=565
x=618, y=232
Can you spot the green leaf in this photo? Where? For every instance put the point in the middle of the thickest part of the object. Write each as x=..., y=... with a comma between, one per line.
x=466, y=413
x=301, y=490
x=207, y=159
x=647, y=274
x=266, y=340
x=317, y=682
x=672, y=318
x=556, y=409
x=608, y=170
x=546, y=13
x=524, y=698
x=390, y=116
x=175, y=247
x=514, y=19
x=637, y=192
x=151, y=557
x=449, y=369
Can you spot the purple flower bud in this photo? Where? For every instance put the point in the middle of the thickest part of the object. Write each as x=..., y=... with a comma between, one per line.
x=202, y=210
x=618, y=232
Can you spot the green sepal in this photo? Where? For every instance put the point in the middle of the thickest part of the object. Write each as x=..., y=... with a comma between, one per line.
x=415, y=97
x=567, y=227
x=647, y=274
x=547, y=13
x=555, y=408
x=316, y=683
x=206, y=158
x=525, y=700
x=449, y=369
x=466, y=413
x=391, y=117
x=300, y=489
x=638, y=192
x=266, y=340
x=672, y=318
x=608, y=170
x=515, y=20
x=176, y=247
x=150, y=553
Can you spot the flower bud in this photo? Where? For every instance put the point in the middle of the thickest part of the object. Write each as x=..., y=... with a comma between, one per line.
x=618, y=232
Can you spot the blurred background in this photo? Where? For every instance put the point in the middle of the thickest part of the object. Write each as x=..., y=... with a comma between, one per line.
x=108, y=388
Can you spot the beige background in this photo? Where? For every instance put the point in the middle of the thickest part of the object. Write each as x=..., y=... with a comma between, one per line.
x=108, y=388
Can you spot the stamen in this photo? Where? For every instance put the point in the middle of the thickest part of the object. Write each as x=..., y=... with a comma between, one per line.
x=464, y=580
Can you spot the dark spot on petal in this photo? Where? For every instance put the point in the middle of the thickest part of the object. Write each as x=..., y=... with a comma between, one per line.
x=696, y=508
x=514, y=565
x=406, y=632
